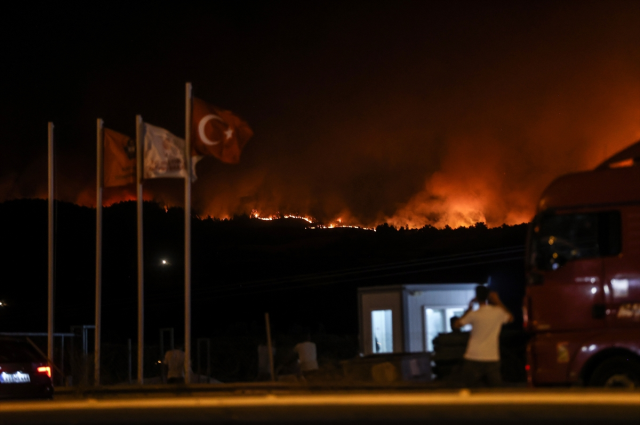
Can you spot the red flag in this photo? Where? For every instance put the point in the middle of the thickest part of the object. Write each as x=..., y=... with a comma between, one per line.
x=119, y=159
x=218, y=132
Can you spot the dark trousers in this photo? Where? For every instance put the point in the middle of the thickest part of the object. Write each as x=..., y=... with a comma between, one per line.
x=475, y=374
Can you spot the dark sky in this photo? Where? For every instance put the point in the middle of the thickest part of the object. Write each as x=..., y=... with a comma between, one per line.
x=405, y=112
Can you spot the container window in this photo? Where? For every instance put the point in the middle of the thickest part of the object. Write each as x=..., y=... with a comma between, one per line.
x=438, y=321
x=382, y=331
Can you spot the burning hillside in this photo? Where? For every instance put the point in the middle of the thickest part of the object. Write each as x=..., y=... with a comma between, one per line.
x=462, y=122
x=313, y=223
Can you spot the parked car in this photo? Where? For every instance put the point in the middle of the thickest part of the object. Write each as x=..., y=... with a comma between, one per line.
x=24, y=372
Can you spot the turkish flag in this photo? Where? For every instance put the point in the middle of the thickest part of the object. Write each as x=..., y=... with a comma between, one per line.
x=218, y=132
x=119, y=159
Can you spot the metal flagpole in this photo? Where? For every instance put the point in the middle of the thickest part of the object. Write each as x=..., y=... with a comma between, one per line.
x=99, y=184
x=187, y=237
x=139, y=174
x=270, y=347
x=50, y=335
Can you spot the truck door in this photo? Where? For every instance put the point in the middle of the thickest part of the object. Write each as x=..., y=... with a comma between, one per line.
x=622, y=271
x=565, y=272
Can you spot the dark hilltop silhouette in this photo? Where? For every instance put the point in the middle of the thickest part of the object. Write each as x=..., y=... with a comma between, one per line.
x=241, y=268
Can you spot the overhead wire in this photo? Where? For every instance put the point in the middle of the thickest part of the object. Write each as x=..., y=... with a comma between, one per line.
x=358, y=273
x=387, y=275
x=371, y=269
x=349, y=275
x=207, y=297
x=493, y=251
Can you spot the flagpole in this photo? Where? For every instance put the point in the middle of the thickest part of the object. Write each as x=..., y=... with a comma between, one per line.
x=270, y=347
x=139, y=176
x=50, y=335
x=99, y=185
x=187, y=237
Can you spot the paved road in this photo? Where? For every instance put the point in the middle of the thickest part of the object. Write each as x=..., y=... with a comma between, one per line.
x=463, y=407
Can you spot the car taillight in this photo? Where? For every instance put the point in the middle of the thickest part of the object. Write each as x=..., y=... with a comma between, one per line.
x=45, y=369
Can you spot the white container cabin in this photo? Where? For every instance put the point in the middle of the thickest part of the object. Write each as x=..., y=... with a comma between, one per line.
x=406, y=318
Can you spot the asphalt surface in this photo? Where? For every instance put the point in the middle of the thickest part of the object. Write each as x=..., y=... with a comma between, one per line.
x=393, y=407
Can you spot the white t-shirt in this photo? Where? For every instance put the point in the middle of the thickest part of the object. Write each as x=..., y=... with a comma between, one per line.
x=486, y=323
x=174, y=359
x=307, y=356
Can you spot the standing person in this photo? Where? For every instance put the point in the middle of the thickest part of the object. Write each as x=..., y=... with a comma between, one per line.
x=482, y=357
x=174, y=365
x=307, y=356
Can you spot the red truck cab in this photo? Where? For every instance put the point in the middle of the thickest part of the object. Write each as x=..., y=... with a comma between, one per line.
x=582, y=302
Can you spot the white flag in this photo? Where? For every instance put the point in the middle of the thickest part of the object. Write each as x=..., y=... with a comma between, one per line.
x=164, y=154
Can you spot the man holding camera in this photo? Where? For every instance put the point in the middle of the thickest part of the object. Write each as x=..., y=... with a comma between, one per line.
x=482, y=357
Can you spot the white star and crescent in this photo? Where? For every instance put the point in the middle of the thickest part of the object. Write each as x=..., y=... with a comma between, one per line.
x=203, y=122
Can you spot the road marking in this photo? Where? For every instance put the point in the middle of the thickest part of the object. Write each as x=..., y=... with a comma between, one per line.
x=392, y=399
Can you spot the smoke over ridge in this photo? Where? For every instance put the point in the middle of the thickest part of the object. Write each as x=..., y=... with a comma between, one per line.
x=427, y=117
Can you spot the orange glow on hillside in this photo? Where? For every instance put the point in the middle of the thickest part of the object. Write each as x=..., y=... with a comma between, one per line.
x=472, y=172
x=337, y=223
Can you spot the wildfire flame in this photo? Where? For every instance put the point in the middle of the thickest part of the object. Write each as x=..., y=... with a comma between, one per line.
x=443, y=149
x=337, y=223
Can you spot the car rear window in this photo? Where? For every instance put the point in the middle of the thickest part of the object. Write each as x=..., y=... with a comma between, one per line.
x=12, y=351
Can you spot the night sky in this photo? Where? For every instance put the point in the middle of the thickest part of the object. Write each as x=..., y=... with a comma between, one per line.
x=410, y=113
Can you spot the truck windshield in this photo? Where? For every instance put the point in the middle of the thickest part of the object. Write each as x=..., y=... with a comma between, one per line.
x=559, y=238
